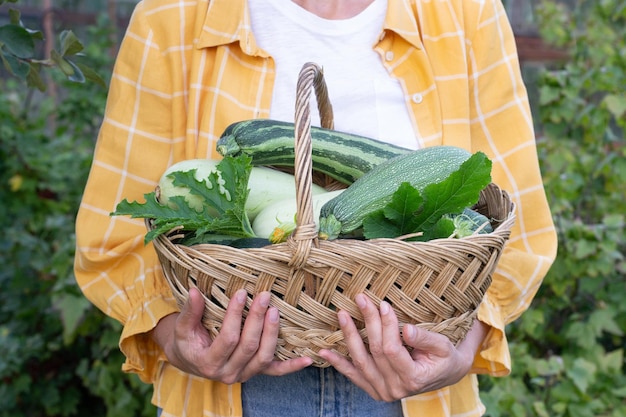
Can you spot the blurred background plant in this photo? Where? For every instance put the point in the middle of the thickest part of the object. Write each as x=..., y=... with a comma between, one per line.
x=568, y=349
x=59, y=355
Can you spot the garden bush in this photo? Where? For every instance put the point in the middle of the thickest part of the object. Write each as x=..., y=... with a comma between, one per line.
x=568, y=349
x=58, y=354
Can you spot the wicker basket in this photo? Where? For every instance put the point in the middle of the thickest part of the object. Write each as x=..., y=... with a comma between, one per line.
x=437, y=285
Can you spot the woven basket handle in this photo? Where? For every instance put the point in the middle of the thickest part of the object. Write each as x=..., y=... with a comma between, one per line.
x=311, y=79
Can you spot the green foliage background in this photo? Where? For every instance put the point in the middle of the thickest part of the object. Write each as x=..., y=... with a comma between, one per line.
x=568, y=349
x=59, y=355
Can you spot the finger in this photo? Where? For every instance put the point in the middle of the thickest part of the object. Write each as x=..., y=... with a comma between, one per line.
x=228, y=337
x=267, y=347
x=253, y=326
x=353, y=339
x=373, y=325
x=269, y=336
x=394, y=353
x=396, y=365
x=189, y=331
x=190, y=317
x=284, y=367
x=337, y=361
x=378, y=369
x=361, y=369
x=240, y=364
x=360, y=359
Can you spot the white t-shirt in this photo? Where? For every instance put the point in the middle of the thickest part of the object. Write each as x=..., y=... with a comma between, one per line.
x=366, y=100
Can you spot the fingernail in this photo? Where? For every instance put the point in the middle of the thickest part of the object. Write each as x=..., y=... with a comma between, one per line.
x=360, y=301
x=342, y=317
x=409, y=331
x=384, y=308
x=264, y=299
x=274, y=316
x=241, y=296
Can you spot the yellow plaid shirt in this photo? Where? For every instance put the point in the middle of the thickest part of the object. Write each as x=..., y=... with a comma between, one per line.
x=188, y=68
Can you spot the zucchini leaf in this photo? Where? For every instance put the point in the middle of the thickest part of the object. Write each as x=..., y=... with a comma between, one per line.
x=425, y=214
x=224, y=196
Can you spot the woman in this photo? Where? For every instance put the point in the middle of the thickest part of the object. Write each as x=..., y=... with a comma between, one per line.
x=416, y=73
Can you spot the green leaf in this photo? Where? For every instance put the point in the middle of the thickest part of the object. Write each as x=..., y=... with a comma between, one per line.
x=70, y=45
x=410, y=212
x=223, y=203
x=581, y=373
x=395, y=219
x=34, y=78
x=461, y=189
x=71, y=70
x=77, y=76
x=15, y=16
x=616, y=104
x=548, y=94
x=17, y=41
x=15, y=65
x=61, y=63
x=619, y=392
x=603, y=320
x=72, y=309
x=612, y=362
x=91, y=75
x=585, y=248
x=540, y=409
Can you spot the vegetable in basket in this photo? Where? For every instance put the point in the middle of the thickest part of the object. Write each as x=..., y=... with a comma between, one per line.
x=209, y=200
x=342, y=156
x=278, y=220
x=412, y=194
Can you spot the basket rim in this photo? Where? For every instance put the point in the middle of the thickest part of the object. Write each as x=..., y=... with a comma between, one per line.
x=503, y=228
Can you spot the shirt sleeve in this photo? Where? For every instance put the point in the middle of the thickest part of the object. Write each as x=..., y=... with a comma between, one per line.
x=113, y=267
x=502, y=127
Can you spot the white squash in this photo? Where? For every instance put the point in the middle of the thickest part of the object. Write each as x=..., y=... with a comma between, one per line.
x=266, y=185
x=283, y=214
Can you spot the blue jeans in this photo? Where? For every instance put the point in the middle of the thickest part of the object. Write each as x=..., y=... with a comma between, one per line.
x=312, y=392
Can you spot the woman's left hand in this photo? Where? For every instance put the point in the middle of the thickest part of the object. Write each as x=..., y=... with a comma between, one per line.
x=389, y=371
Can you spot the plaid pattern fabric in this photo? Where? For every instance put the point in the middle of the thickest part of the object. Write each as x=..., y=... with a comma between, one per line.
x=188, y=68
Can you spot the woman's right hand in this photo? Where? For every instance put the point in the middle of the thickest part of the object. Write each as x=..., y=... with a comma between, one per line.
x=236, y=354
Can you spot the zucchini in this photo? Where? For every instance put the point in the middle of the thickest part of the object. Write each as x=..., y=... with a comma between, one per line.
x=342, y=156
x=282, y=215
x=249, y=242
x=374, y=190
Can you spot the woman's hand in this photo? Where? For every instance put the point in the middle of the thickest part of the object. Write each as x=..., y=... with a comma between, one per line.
x=389, y=372
x=236, y=354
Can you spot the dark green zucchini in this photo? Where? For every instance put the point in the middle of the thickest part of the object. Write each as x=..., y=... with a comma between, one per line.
x=342, y=156
x=373, y=191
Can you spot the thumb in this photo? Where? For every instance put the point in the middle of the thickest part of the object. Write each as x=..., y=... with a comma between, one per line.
x=424, y=341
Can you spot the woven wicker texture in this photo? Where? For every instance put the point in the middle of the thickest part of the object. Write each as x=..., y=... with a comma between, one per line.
x=437, y=285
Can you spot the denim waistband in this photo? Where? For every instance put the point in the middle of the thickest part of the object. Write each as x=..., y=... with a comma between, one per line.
x=312, y=392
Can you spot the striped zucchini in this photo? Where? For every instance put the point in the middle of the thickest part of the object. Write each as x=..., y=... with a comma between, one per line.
x=374, y=190
x=342, y=156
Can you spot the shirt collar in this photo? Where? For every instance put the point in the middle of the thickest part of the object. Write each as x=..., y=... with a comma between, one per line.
x=228, y=21
x=401, y=20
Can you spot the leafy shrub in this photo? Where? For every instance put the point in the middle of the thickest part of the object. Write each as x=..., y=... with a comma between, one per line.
x=568, y=349
x=58, y=354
